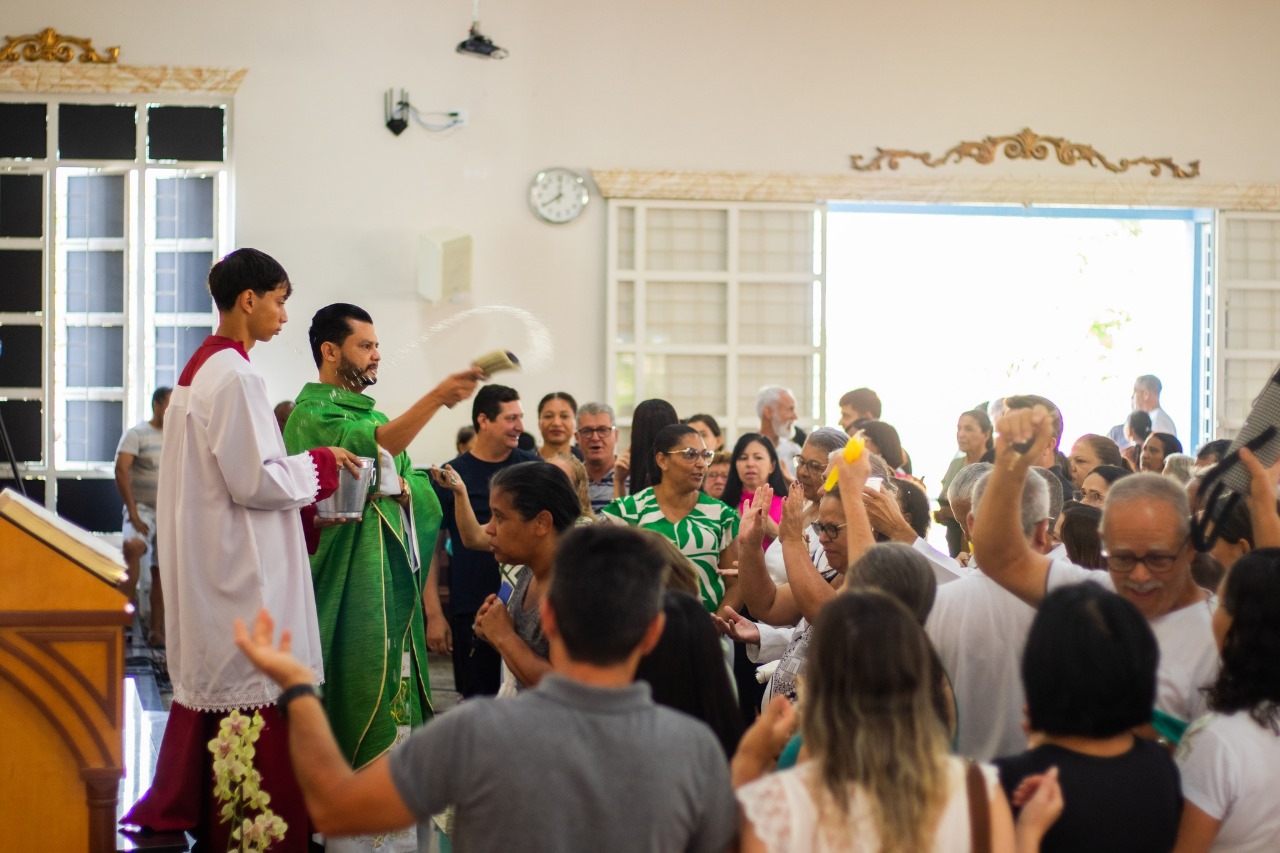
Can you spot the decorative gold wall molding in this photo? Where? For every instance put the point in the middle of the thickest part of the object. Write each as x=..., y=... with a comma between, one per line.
x=1025, y=145
x=843, y=186
x=49, y=45
x=119, y=79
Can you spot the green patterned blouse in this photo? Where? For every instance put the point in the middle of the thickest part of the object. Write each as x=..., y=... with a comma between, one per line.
x=701, y=535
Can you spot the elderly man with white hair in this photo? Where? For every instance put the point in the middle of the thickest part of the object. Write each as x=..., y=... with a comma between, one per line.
x=980, y=628
x=776, y=407
x=1146, y=541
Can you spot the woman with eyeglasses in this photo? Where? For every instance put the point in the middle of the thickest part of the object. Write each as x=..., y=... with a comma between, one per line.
x=703, y=528
x=717, y=474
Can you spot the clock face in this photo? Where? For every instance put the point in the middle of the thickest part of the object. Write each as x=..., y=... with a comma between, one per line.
x=558, y=195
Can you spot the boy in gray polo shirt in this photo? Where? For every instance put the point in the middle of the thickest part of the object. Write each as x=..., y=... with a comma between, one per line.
x=584, y=761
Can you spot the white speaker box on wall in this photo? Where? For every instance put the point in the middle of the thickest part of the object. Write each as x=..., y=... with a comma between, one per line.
x=444, y=264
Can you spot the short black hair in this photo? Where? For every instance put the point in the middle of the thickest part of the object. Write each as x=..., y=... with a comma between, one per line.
x=1089, y=667
x=537, y=486
x=1168, y=441
x=489, y=401
x=161, y=393
x=606, y=591
x=701, y=418
x=862, y=400
x=1111, y=473
x=246, y=269
x=332, y=325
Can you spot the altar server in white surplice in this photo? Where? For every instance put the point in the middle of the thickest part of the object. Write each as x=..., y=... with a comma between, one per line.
x=231, y=541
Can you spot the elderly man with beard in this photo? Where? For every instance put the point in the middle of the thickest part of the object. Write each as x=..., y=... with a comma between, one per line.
x=776, y=407
x=369, y=574
x=1146, y=542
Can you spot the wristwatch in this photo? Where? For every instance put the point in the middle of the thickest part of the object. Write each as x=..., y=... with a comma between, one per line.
x=294, y=692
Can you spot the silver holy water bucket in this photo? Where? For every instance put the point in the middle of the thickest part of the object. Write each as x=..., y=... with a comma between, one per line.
x=348, y=501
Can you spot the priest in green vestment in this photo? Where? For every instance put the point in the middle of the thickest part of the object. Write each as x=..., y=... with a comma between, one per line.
x=368, y=574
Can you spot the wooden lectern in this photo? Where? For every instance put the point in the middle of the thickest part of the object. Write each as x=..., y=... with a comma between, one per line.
x=62, y=626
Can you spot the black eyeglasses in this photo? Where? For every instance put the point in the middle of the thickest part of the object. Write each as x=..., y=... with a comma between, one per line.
x=587, y=432
x=1124, y=562
x=690, y=454
x=831, y=531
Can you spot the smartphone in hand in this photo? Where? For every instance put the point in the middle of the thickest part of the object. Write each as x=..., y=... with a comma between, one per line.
x=504, y=591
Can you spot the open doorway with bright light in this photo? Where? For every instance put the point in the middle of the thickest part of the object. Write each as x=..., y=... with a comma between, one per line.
x=939, y=308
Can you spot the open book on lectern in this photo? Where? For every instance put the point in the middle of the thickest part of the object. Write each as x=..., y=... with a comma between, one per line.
x=75, y=543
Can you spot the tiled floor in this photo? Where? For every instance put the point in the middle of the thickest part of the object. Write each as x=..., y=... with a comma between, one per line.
x=146, y=710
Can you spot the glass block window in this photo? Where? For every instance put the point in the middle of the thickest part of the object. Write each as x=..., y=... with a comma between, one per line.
x=773, y=313
x=1245, y=316
x=776, y=241
x=686, y=312
x=686, y=239
x=110, y=217
x=708, y=302
x=691, y=383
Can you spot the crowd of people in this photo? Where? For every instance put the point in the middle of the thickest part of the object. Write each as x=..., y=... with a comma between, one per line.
x=698, y=641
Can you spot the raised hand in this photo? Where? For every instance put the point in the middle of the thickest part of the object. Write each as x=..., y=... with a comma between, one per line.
x=752, y=528
x=1041, y=800
x=886, y=515
x=791, y=526
x=1022, y=435
x=273, y=661
x=447, y=478
x=458, y=386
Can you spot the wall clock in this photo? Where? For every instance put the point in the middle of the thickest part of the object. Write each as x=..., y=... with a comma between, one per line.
x=558, y=195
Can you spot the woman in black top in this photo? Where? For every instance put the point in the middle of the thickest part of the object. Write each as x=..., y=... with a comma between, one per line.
x=1089, y=670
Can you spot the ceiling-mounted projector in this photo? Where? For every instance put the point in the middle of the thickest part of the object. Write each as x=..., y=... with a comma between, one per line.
x=478, y=44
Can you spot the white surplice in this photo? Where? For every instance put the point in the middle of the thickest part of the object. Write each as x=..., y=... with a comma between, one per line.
x=229, y=532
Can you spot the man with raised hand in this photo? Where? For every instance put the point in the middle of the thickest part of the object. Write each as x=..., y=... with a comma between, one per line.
x=1145, y=531
x=368, y=575
x=584, y=761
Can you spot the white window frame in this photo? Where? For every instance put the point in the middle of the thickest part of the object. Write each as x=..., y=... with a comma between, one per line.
x=734, y=420
x=139, y=316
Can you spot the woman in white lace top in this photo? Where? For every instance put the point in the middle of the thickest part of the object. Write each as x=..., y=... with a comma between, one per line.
x=878, y=776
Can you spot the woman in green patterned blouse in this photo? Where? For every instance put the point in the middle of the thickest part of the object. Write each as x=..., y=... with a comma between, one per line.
x=703, y=528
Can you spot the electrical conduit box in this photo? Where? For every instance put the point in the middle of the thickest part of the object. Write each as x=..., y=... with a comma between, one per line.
x=444, y=265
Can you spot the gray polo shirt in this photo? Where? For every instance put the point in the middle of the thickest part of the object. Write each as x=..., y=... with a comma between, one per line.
x=569, y=767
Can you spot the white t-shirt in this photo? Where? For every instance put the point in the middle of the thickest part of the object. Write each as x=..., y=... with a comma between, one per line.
x=1161, y=422
x=1229, y=771
x=979, y=629
x=945, y=569
x=1188, y=653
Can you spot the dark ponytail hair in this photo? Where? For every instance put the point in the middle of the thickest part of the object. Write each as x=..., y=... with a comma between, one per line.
x=667, y=439
x=537, y=486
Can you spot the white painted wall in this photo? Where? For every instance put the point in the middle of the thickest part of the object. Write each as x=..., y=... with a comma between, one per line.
x=757, y=85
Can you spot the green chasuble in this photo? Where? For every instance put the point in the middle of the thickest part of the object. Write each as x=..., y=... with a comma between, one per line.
x=368, y=597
